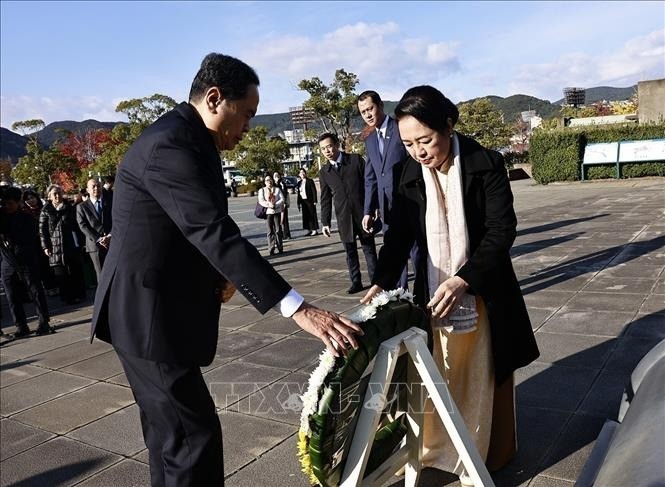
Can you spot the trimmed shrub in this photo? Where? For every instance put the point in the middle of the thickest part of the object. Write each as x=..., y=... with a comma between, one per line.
x=557, y=155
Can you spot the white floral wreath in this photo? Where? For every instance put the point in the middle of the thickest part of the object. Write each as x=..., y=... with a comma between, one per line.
x=311, y=398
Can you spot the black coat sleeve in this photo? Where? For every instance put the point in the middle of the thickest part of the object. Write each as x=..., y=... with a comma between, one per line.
x=397, y=243
x=499, y=227
x=183, y=182
x=326, y=201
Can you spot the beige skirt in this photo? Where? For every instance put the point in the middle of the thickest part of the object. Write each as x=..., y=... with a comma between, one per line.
x=466, y=365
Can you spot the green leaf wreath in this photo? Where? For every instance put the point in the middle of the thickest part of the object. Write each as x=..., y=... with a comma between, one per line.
x=336, y=389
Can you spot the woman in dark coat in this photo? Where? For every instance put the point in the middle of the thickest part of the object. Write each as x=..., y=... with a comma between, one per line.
x=307, y=200
x=32, y=205
x=454, y=200
x=61, y=242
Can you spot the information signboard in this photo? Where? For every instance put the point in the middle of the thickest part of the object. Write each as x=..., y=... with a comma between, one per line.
x=642, y=150
x=601, y=153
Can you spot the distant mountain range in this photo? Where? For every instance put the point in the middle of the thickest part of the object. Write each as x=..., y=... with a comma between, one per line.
x=12, y=145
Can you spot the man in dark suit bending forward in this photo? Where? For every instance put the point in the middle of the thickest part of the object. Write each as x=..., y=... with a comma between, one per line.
x=175, y=252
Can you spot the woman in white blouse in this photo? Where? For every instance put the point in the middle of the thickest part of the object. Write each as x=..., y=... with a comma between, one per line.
x=271, y=197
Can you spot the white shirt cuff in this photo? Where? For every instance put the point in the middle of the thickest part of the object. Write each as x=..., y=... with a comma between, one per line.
x=290, y=303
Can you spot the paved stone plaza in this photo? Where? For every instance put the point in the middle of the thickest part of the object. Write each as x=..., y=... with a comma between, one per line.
x=590, y=258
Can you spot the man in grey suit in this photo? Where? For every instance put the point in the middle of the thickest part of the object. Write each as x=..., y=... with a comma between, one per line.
x=342, y=182
x=94, y=219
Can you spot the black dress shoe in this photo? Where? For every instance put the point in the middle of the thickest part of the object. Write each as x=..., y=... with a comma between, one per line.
x=272, y=251
x=21, y=331
x=356, y=288
x=45, y=330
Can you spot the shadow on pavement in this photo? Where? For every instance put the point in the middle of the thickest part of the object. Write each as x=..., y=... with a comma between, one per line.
x=13, y=365
x=562, y=409
x=526, y=248
x=594, y=262
x=551, y=226
x=58, y=476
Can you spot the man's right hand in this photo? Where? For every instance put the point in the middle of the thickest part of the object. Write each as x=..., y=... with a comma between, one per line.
x=373, y=291
x=335, y=331
x=367, y=223
x=326, y=231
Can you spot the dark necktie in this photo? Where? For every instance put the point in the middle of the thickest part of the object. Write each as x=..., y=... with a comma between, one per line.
x=98, y=208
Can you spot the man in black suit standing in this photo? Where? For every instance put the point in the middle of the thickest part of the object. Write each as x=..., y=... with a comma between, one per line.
x=342, y=180
x=176, y=254
x=94, y=218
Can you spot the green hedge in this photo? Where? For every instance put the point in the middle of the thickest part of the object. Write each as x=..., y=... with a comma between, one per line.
x=556, y=155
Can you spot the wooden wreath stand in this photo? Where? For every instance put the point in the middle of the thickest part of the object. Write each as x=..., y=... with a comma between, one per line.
x=421, y=369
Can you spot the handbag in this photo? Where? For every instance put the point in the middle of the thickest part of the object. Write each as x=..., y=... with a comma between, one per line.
x=260, y=211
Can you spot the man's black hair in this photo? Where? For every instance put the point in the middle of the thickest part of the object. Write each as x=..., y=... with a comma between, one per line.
x=329, y=135
x=370, y=94
x=232, y=76
x=12, y=193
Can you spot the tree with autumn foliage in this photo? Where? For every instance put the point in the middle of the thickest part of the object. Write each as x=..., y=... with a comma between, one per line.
x=141, y=112
x=521, y=133
x=82, y=150
x=39, y=166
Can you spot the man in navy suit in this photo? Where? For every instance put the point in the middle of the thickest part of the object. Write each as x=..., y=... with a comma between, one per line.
x=176, y=253
x=94, y=218
x=385, y=154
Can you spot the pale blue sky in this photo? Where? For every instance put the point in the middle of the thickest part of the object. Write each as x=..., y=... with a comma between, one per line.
x=77, y=60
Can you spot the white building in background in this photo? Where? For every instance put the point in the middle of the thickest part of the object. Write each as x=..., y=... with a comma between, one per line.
x=604, y=120
x=301, y=149
x=532, y=119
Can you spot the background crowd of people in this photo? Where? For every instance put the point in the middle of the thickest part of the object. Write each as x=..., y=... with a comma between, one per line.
x=49, y=247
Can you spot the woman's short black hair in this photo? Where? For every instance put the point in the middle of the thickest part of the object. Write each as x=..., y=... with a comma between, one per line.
x=429, y=106
x=232, y=76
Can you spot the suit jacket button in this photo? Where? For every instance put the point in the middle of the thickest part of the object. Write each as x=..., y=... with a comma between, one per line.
x=382, y=174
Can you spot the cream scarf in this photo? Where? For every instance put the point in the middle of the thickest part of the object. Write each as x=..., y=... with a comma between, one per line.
x=448, y=239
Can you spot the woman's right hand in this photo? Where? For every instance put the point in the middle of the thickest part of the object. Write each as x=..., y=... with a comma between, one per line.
x=373, y=291
x=47, y=252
